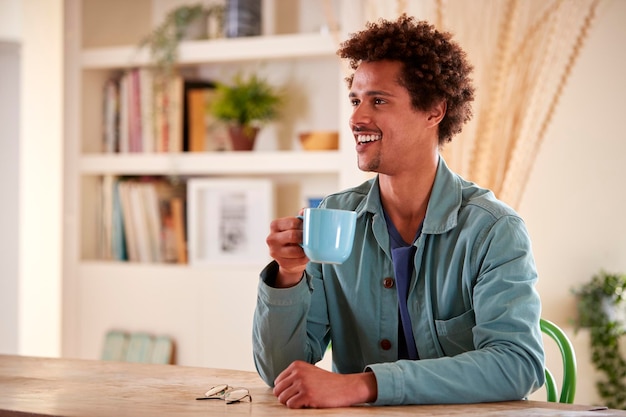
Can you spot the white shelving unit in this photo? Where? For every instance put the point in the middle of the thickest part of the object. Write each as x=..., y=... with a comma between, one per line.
x=273, y=162
x=208, y=311
x=275, y=47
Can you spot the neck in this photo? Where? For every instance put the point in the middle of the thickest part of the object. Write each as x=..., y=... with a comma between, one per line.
x=405, y=199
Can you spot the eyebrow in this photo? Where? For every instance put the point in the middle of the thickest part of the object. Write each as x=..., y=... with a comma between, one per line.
x=372, y=93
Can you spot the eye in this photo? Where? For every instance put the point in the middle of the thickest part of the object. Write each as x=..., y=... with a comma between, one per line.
x=379, y=101
x=355, y=102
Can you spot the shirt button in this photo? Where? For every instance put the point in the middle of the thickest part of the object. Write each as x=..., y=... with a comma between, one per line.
x=388, y=282
x=385, y=344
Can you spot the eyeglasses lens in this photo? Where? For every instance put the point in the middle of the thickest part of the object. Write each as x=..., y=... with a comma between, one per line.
x=217, y=391
x=237, y=395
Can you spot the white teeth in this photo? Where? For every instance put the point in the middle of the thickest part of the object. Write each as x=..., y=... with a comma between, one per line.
x=368, y=138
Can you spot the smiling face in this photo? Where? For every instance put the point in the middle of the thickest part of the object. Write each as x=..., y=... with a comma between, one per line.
x=391, y=136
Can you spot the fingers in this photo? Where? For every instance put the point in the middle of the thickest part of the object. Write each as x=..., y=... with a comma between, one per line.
x=285, y=232
x=286, y=223
x=284, y=242
x=284, y=246
x=290, y=387
x=288, y=394
x=302, y=385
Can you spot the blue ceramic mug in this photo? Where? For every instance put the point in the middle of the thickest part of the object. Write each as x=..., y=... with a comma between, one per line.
x=327, y=234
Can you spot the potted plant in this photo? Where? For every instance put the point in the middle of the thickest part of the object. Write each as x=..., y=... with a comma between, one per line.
x=183, y=22
x=245, y=106
x=602, y=309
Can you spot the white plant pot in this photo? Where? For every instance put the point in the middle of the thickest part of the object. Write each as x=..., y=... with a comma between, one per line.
x=615, y=312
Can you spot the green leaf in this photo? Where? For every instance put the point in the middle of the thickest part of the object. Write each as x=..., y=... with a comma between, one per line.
x=605, y=291
x=246, y=101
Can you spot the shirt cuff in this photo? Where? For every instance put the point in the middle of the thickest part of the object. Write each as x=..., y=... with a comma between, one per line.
x=297, y=294
x=388, y=383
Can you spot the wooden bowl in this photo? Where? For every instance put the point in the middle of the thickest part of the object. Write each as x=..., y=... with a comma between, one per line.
x=318, y=140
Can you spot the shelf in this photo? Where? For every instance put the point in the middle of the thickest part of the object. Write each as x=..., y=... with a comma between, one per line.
x=257, y=162
x=162, y=272
x=218, y=50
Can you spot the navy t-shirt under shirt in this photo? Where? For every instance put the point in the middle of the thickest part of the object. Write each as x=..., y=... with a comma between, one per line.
x=402, y=255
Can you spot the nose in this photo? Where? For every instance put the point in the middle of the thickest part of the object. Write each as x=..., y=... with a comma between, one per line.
x=360, y=116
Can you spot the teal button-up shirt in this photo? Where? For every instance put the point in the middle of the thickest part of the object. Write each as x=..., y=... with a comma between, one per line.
x=472, y=302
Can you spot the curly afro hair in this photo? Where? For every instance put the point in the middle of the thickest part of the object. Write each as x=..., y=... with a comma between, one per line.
x=435, y=68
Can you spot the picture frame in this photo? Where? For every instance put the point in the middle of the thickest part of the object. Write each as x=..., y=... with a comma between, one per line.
x=228, y=220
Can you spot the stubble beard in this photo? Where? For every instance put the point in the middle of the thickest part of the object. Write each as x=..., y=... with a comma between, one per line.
x=369, y=166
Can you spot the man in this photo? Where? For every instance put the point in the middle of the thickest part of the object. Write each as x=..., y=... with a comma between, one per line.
x=436, y=303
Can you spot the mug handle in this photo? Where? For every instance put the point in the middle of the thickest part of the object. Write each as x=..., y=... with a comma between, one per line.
x=301, y=218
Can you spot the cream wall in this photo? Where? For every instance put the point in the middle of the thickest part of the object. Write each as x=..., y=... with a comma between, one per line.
x=37, y=26
x=10, y=20
x=573, y=204
x=9, y=172
x=41, y=149
x=576, y=196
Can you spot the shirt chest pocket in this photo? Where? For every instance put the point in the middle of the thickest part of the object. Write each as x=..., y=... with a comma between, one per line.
x=455, y=335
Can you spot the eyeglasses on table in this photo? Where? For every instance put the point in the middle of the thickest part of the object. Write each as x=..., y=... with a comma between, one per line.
x=227, y=393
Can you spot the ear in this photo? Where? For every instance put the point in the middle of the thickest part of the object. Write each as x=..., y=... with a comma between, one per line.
x=437, y=112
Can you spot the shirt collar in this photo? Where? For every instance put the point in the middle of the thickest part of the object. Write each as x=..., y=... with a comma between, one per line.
x=443, y=206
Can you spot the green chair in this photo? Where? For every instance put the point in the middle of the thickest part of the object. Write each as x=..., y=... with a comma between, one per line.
x=140, y=347
x=163, y=350
x=115, y=346
x=568, y=389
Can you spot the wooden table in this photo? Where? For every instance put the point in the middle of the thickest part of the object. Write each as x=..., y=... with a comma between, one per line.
x=69, y=387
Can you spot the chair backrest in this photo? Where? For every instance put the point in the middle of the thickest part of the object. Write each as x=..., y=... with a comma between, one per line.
x=568, y=387
x=115, y=346
x=140, y=347
x=163, y=350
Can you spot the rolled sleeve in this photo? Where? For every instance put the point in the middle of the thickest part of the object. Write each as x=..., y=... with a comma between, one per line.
x=389, y=383
x=279, y=326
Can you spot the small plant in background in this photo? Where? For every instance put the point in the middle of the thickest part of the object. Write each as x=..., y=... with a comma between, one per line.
x=245, y=105
x=164, y=40
x=246, y=101
x=602, y=309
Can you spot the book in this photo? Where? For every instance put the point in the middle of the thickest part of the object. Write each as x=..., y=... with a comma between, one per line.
x=110, y=117
x=168, y=116
x=152, y=219
x=197, y=97
x=134, y=111
x=127, y=218
x=124, y=104
x=139, y=218
x=142, y=219
x=178, y=221
x=160, y=120
x=175, y=114
x=107, y=185
x=118, y=241
x=141, y=116
x=168, y=237
x=147, y=107
x=111, y=226
x=196, y=129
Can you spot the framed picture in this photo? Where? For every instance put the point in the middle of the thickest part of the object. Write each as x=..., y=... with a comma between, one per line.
x=229, y=220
